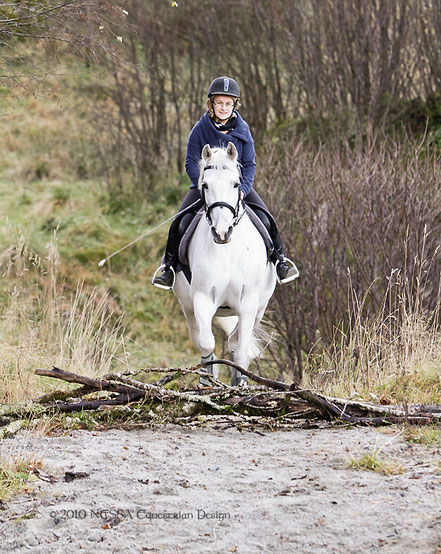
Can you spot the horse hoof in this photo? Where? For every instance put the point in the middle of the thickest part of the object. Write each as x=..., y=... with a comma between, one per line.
x=204, y=382
x=239, y=382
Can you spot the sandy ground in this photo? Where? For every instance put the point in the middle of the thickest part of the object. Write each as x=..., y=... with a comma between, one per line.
x=174, y=489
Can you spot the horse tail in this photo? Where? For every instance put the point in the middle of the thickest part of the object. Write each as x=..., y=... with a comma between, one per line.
x=228, y=324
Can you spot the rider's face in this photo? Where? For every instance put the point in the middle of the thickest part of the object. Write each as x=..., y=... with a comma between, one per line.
x=223, y=107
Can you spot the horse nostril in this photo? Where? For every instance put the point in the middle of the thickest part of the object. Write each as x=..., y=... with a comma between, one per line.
x=217, y=237
x=222, y=238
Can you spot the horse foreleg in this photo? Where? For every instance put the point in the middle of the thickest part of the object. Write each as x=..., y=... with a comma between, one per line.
x=237, y=378
x=241, y=354
x=194, y=334
x=204, y=311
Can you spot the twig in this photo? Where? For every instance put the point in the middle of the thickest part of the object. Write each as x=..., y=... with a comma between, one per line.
x=169, y=392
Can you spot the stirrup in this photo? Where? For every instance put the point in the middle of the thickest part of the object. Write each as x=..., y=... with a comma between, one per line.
x=164, y=287
x=293, y=270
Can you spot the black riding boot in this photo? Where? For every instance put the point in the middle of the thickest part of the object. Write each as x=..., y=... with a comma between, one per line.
x=286, y=269
x=167, y=277
x=191, y=204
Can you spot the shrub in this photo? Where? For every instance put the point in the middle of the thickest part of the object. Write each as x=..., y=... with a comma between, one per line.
x=363, y=223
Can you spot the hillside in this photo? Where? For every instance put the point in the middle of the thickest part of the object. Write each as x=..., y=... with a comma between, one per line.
x=57, y=220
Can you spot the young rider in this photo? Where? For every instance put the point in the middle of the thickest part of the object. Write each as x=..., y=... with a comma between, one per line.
x=221, y=124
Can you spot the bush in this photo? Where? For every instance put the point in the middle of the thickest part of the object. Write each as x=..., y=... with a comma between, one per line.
x=356, y=221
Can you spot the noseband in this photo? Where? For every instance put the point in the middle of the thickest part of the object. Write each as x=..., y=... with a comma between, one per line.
x=233, y=209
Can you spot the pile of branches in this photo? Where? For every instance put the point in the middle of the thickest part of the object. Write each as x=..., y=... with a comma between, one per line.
x=270, y=403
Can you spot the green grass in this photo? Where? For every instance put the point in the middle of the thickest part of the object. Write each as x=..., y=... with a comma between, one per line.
x=372, y=461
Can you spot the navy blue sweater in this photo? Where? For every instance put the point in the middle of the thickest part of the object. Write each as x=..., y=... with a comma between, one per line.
x=204, y=132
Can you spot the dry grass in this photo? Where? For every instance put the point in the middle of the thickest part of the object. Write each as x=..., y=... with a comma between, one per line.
x=16, y=472
x=393, y=356
x=403, y=367
x=43, y=324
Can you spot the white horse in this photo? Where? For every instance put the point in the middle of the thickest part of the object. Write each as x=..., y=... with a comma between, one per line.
x=231, y=274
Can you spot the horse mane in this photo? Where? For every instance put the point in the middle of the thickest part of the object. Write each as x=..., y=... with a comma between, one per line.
x=220, y=161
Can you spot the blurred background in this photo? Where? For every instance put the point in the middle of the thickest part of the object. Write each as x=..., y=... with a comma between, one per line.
x=343, y=99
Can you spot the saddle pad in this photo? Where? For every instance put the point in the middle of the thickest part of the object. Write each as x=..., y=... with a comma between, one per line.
x=183, y=245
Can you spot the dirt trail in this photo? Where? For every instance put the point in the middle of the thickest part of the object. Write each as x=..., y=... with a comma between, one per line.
x=173, y=489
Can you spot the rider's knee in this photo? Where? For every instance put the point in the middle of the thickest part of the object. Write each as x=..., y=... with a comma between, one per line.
x=185, y=222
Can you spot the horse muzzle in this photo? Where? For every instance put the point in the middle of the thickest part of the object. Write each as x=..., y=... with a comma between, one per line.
x=223, y=238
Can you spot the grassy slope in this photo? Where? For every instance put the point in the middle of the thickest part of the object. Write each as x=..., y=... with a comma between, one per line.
x=43, y=140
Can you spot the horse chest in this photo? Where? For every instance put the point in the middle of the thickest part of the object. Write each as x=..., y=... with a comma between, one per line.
x=241, y=262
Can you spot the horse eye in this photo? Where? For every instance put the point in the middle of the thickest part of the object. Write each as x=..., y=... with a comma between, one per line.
x=204, y=186
x=236, y=185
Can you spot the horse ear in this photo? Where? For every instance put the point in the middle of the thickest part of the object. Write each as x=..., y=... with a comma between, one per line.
x=231, y=151
x=206, y=152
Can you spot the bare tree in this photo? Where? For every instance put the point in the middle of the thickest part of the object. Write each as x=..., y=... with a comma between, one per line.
x=87, y=27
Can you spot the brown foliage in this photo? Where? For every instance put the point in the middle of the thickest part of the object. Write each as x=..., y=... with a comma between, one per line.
x=354, y=219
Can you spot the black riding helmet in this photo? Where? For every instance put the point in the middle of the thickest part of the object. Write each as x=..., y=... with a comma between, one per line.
x=224, y=86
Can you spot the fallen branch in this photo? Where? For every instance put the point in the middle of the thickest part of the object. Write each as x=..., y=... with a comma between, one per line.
x=97, y=384
x=120, y=400
x=273, y=403
x=278, y=385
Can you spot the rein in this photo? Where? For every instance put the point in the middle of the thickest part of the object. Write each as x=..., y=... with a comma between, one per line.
x=233, y=209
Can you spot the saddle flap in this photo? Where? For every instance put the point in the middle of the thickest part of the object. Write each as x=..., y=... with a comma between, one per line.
x=256, y=221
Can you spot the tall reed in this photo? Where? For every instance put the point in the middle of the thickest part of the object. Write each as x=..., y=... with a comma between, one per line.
x=43, y=323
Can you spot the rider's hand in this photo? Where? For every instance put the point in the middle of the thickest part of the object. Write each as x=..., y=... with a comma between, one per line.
x=241, y=195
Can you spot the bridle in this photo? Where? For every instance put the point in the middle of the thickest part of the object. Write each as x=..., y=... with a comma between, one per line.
x=233, y=209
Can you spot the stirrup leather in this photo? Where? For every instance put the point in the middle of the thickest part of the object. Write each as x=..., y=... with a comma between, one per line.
x=293, y=270
x=164, y=287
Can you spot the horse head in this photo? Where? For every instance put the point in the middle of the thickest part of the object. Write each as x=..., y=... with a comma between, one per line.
x=219, y=183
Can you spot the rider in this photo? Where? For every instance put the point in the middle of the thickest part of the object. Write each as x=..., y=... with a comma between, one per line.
x=221, y=124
